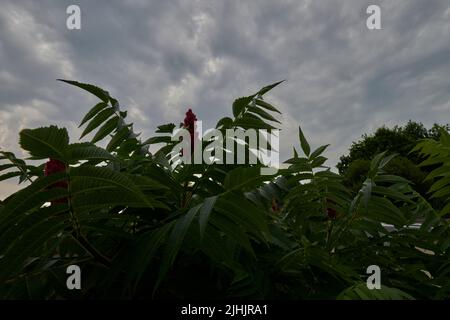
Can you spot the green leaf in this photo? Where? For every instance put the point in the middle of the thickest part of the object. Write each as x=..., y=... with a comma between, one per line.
x=391, y=179
x=245, y=213
x=247, y=122
x=232, y=230
x=32, y=197
x=391, y=194
x=266, y=105
x=318, y=161
x=269, y=87
x=438, y=172
x=240, y=104
x=205, y=211
x=7, y=166
x=10, y=175
x=112, y=178
x=47, y=142
x=96, y=91
x=26, y=245
x=366, y=191
x=318, y=151
x=175, y=241
x=225, y=123
x=375, y=163
x=360, y=291
x=98, y=119
x=106, y=129
x=158, y=139
x=386, y=160
x=118, y=138
x=144, y=250
x=445, y=210
x=382, y=210
x=244, y=178
x=262, y=113
x=87, y=151
x=166, y=128
x=93, y=112
x=304, y=144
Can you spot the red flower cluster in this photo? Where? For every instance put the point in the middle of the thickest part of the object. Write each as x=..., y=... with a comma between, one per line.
x=54, y=166
x=189, y=123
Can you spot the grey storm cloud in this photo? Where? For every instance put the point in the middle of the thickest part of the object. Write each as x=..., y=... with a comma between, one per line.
x=159, y=58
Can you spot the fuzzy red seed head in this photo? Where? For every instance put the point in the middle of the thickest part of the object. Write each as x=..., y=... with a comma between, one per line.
x=54, y=166
x=189, y=121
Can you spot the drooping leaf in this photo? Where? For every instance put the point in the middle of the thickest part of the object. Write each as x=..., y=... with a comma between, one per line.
x=269, y=87
x=98, y=92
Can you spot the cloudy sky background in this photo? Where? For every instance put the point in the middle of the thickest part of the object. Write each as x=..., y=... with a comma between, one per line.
x=159, y=58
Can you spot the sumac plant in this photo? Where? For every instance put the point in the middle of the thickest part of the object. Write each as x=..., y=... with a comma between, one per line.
x=140, y=227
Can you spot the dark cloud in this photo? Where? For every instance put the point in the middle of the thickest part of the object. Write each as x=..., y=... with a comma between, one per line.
x=161, y=57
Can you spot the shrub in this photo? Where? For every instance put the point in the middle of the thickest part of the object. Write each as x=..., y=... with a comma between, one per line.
x=141, y=226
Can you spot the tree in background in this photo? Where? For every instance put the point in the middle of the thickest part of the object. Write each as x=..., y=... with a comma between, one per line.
x=399, y=140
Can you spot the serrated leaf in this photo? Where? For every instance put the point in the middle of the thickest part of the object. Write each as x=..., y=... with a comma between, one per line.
x=98, y=119
x=118, y=138
x=166, y=128
x=262, y=113
x=98, y=92
x=240, y=104
x=87, y=151
x=269, y=87
x=45, y=142
x=266, y=105
x=106, y=129
x=113, y=178
x=93, y=112
x=248, y=122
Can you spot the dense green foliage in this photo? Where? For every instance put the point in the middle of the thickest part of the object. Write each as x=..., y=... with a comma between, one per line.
x=398, y=140
x=140, y=227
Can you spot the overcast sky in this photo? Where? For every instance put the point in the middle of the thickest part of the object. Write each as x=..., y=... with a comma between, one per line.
x=159, y=58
